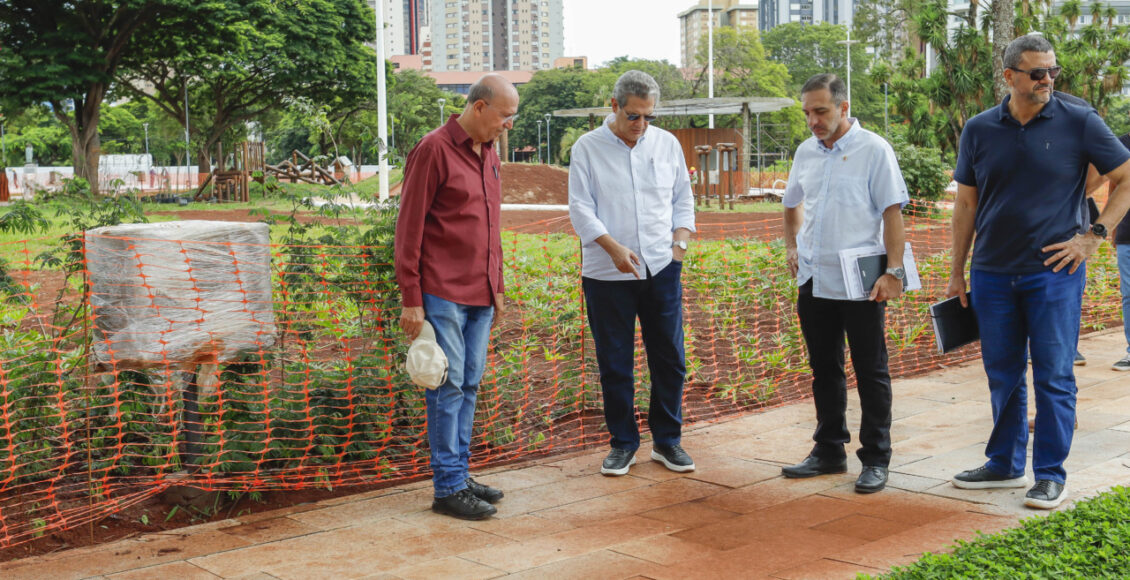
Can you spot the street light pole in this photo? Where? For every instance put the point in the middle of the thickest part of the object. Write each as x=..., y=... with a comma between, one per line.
x=848, y=44
x=710, y=58
x=442, y=101
x=548, y=153
x=146, y=125
x=539, y=140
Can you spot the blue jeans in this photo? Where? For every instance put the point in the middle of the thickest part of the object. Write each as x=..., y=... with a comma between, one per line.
x=1124, y=285
x=613, y=307
x=1040, y=312
x=462, y=332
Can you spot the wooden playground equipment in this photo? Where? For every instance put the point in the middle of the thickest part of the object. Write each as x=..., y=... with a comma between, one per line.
x=725, y=182
x=232, y=184
x=308, y=171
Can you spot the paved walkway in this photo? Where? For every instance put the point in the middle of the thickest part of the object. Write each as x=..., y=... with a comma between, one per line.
x=734, y=517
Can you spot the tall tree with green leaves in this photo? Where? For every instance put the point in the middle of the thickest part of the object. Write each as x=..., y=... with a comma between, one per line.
x=261, y=53
x=811, y=49
x=67, y=52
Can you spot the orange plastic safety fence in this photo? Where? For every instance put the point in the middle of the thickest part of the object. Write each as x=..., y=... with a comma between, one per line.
x=319, y=397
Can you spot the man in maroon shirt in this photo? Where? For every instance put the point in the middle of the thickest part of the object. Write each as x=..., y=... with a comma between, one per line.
x=449, y=268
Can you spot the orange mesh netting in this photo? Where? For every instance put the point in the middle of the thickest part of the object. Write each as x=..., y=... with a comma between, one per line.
x=316, y=395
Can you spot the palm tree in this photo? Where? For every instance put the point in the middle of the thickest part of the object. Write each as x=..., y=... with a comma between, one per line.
x=1071, y=11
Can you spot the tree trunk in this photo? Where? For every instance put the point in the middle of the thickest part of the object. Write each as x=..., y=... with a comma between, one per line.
x=203, y=161
x=1003, y=32
x=86, y=146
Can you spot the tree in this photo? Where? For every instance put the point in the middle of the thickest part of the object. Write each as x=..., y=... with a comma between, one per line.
x=1004, y=29
x=260, y=54
x=67, y=52
x=551, y=90
x=743, y=70
x=811, y=49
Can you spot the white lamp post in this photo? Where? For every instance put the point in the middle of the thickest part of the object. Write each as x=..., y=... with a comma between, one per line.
x=441, y=101
x=146, y=126
x=539, y=140
x=548, y=155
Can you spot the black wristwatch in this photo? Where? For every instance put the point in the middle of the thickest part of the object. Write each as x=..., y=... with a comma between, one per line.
x=1099, y=230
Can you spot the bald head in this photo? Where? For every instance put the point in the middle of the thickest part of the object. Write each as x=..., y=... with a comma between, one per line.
x=492, y=106
x=488, y=86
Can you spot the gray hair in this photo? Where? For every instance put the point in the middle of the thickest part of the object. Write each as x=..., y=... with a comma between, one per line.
x=635, y=83
x=480, y=91
x=830, y=81
x=1034, y=42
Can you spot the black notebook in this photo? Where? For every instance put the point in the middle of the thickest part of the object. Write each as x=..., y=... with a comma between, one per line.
x=871, y=268
x=954, y=326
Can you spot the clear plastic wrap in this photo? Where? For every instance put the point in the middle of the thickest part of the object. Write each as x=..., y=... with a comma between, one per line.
x=179, y=293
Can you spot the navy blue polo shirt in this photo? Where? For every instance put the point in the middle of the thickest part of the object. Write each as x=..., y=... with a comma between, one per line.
x=1030, y=180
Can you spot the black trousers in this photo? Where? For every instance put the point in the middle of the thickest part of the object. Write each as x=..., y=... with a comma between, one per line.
x=824, y=323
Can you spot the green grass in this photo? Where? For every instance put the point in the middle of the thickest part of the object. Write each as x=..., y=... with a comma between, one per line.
x=1090, y=540
x=742, y=207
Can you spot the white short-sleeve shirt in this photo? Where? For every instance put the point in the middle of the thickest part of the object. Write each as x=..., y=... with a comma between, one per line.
x=844, y=190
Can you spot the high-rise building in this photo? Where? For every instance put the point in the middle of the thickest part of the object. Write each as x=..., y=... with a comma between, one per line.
x=481, y=35
x=775, y=12
x=401, y=19
x=694, y=21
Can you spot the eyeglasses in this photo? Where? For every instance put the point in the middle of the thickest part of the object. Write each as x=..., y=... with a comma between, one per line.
x=1038, y=74
x=506, y=120
x=636, y=117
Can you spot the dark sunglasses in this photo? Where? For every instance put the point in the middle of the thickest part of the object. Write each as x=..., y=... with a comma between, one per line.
x=648, y=118
x=1038, y=74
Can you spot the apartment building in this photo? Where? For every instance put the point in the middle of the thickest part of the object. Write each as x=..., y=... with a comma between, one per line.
x=775, y=12
x=483, y=35
x=695, y=21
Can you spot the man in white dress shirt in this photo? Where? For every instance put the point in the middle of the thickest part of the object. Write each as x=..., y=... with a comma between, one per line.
x=630, y=202
x=845, y=191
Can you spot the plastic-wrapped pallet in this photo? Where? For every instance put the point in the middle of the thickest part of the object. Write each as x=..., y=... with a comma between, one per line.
x=180, y=293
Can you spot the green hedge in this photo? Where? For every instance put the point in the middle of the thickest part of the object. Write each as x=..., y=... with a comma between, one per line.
x=1090, y=540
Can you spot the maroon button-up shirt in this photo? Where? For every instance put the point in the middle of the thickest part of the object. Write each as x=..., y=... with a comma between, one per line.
x=447, y=233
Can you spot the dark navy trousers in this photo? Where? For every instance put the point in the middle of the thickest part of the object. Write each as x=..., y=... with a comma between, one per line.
x=613, y=307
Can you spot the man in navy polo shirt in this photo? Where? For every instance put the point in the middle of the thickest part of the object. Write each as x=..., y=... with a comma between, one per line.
x=1021, y=171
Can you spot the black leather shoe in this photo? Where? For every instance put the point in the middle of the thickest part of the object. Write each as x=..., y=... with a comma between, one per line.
x=618, y=462
x=463, y=505
x=813, y=466
x=484, y=492
x=873, y=479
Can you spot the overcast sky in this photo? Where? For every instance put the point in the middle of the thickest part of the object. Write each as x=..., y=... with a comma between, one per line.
x=605, y=29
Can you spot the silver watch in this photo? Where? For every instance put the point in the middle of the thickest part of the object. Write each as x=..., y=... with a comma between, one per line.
x=681, y=244
x=898, y=272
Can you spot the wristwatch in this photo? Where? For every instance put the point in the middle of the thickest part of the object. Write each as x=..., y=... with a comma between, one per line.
x=681, y=244
x=1099, y=230
x=898, y=273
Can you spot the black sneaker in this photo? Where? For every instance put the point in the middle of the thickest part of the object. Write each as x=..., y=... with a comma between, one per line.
x=463, y=505
x=484, y=492
x=1122, y=365
x=1046, y=494
x=982, y=478
x=673, y=456
x=618, y=462
x=1079, y=359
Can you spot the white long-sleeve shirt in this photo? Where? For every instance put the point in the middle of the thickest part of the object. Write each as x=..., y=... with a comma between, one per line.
x=638, y=195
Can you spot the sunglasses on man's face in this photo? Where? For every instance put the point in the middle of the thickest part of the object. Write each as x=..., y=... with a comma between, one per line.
x=636, y=117
x=1038, y=74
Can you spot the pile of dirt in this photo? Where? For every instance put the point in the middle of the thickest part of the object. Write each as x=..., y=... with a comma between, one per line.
x=535, y=184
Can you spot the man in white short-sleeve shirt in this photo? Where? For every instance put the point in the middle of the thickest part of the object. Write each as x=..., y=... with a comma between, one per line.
x=845, y=191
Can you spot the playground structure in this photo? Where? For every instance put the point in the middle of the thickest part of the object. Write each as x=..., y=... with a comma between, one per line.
x=308, y=171
x=234, y=184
